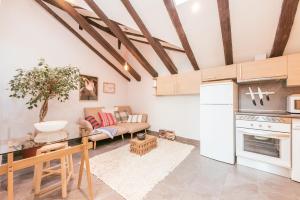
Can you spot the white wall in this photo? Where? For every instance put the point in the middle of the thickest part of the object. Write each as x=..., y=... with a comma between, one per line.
x=29, y=33
x=178, y=113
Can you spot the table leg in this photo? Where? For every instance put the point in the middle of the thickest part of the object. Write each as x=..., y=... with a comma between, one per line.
x=63, y=177
x=85, y=161
x=10, y=176
x=80, y=171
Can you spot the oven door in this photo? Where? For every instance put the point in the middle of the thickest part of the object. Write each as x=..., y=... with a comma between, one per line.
x=266, y=146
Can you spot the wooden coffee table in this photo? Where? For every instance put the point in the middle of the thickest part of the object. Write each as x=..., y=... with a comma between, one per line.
x=142, y=147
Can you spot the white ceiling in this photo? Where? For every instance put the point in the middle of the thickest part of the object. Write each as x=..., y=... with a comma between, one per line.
x=253, y=26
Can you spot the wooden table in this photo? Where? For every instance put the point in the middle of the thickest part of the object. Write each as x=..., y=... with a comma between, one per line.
x=13, y=166
x=142, y=147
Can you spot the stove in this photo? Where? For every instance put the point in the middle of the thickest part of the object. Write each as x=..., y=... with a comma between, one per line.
x=263, y=141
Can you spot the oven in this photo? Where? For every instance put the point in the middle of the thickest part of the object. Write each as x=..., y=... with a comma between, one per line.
x=264, y=139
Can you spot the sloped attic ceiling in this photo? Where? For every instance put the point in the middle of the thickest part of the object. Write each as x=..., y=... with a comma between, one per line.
x=253, y=26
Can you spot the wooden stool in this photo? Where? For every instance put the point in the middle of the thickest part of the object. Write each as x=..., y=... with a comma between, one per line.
x=42, y=170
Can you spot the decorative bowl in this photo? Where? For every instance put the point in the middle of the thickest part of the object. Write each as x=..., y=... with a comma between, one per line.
x=50, y=126
x=141, y=136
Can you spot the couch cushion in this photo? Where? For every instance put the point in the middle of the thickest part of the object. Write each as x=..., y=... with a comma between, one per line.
x=134, y=127
x=92, y=112
x=95, y=124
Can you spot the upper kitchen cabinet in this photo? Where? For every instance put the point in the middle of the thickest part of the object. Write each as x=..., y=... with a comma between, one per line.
x=188, y=83
x=272, y=68
x=219, y=73
x=165, y=85
x=180, y=84
x=293, y=70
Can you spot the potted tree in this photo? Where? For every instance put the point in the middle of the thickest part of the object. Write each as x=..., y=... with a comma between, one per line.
x=42, y=84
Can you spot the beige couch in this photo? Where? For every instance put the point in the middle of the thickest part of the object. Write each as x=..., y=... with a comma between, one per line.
x=122, y=128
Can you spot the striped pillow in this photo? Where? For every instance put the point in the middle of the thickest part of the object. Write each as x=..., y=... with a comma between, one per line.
x=107, y=119
x=95, y=124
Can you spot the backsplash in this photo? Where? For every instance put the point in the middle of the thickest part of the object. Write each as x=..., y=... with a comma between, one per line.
x=277, y=100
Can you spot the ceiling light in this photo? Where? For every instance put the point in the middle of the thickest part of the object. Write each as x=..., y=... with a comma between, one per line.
x=178, y=2
x=126, y=66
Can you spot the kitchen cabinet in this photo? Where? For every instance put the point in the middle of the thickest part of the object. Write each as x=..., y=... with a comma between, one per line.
x=272, y=68
x=165, y=85
x=293, y=70
x=188, y=83
x=180, y=84
x=219, y=73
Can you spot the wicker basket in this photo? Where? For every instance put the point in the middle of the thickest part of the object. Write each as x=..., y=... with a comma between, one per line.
x=142, y=147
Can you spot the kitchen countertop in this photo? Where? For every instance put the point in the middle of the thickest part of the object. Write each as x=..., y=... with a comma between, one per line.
x=270, y=114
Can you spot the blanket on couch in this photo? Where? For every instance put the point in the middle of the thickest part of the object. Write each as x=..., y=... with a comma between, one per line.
x=110, y=132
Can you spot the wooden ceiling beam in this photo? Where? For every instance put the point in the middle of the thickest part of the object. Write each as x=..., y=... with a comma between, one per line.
x=107, y=30
x=180, y=32
x=66, y=25
x=224, y=17
x=88, y=28
x=122, y=37
x=162, y=54
x=285, y=24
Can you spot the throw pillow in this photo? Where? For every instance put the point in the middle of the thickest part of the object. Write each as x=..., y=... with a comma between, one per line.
x=95, y=124
x=118, y=116
x=139, y=118
x=112, y=120
x=107, y=119
x=124, y=116
x=129, y=118
x=135, y=118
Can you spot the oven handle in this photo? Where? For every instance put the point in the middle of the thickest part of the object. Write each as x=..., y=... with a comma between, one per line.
x=267, y=134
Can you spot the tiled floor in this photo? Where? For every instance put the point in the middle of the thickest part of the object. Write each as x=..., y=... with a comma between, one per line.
x=196, y=178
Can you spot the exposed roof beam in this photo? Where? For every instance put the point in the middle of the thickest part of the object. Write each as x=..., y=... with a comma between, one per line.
x=88, y=28
x=180, y=32
x=154, y=43
x=224, y=17
x=285, y=24
x=107, y=30
x=122, y=37
x=129, y=34
x=65, y=24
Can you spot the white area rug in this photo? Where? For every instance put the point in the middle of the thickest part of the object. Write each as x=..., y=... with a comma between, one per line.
x=133, y=176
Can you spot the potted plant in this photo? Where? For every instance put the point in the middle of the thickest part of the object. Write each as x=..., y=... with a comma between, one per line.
x=42, y=84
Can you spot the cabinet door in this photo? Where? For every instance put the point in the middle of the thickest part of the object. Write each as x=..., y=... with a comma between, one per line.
x=165, y=85
x=293, y=70
x=264, y=69
x=188, y=83
x=219, y=73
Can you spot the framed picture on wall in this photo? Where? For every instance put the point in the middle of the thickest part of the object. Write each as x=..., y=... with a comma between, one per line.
x=109, y=87
x=88, y=88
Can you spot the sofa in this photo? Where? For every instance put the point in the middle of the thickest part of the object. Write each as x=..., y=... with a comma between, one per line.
x=122, y=128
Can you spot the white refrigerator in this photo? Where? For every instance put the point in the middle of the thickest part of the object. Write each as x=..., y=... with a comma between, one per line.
x=218, y=103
